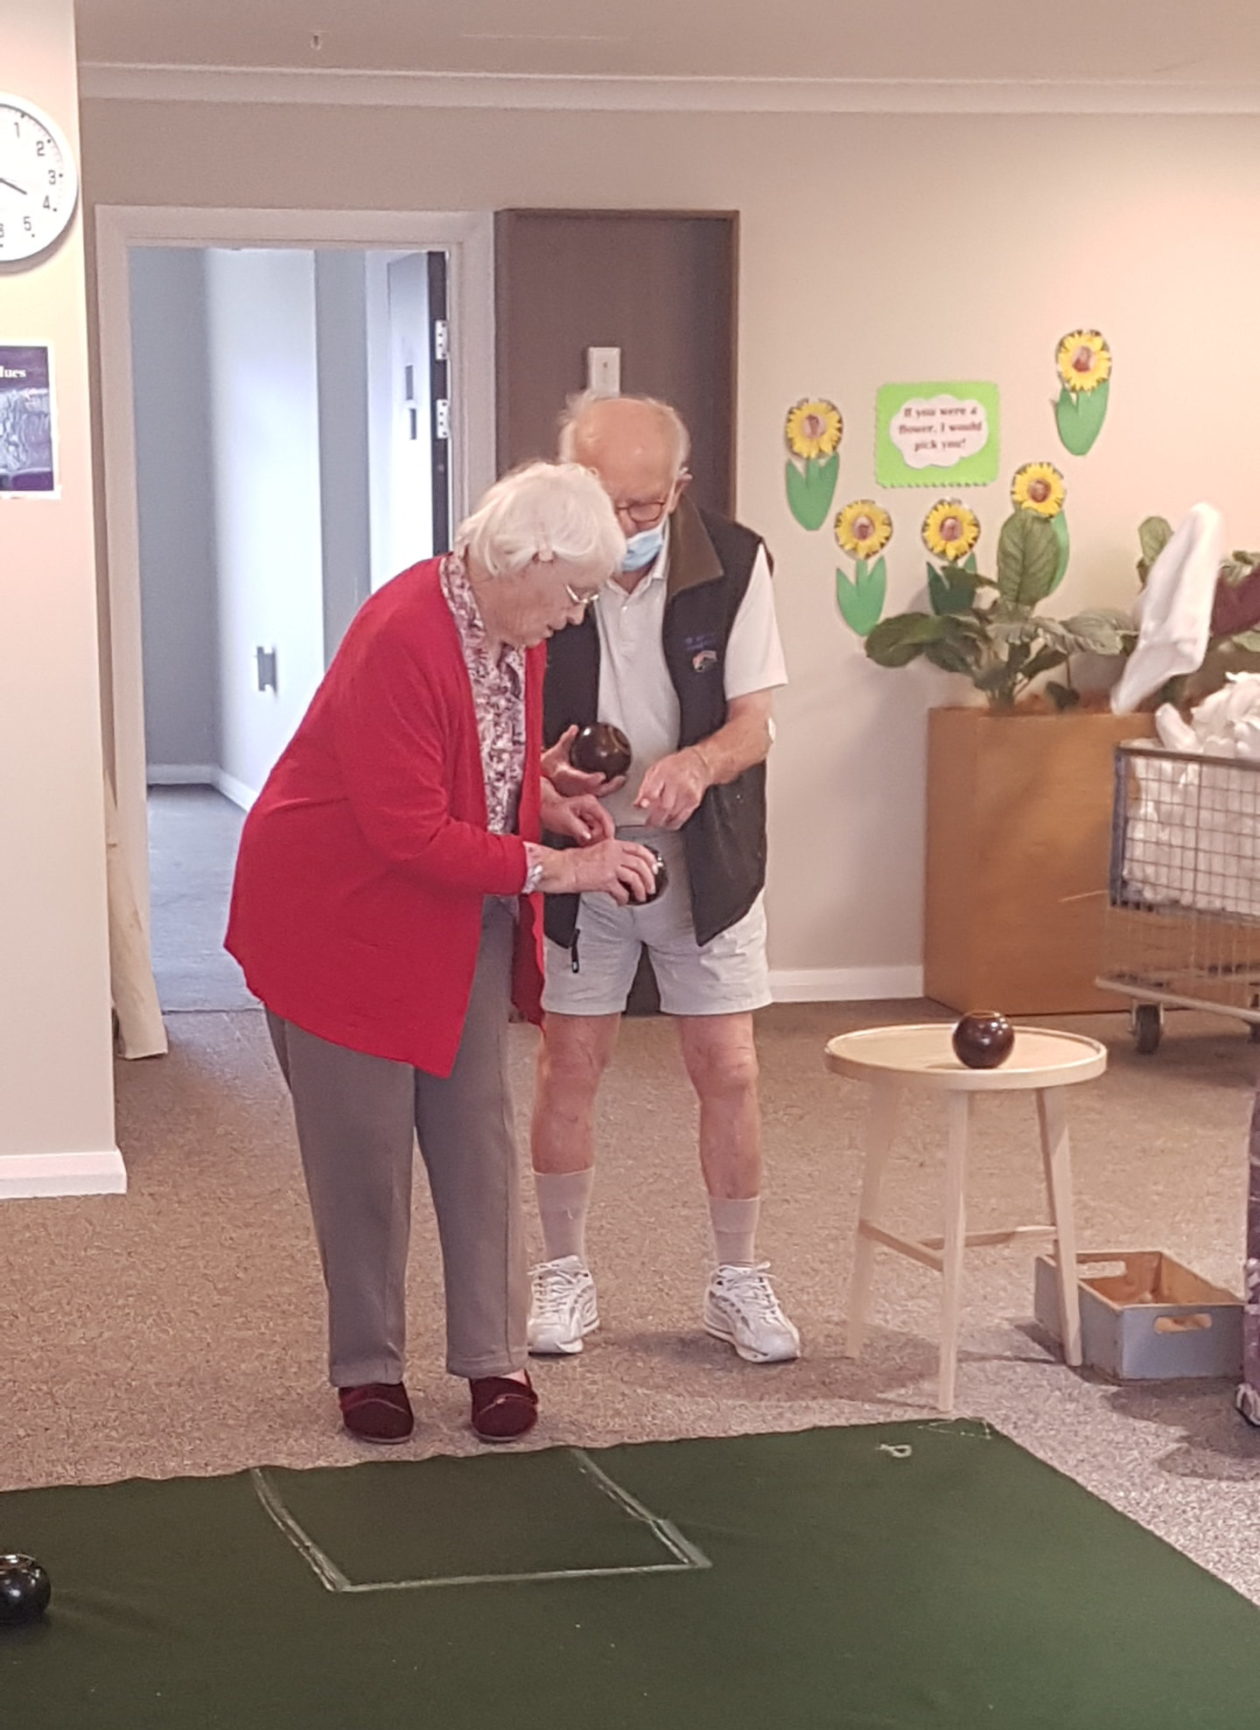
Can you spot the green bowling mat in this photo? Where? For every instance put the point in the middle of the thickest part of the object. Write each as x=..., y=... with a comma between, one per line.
x=892, y=1578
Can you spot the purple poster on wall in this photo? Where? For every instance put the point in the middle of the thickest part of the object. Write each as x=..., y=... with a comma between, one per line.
x=27, y=464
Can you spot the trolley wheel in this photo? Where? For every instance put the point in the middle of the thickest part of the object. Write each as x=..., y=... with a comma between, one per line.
x=1147, y=1023
x=1247, y=1405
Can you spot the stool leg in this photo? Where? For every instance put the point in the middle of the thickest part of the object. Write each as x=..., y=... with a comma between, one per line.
x=879, y=1138
x=955, y=1244
x=1056, y=1152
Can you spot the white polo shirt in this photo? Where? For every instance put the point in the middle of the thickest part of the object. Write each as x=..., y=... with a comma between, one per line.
x=635, y=689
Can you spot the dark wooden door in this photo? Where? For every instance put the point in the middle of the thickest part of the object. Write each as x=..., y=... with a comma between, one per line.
x=658, y=285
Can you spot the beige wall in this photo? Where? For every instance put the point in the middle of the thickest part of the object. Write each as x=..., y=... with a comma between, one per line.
x=874, y=249
x=55, y=1090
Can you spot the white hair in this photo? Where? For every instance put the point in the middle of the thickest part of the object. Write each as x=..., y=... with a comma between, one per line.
x=545, y=513
x=579, y=407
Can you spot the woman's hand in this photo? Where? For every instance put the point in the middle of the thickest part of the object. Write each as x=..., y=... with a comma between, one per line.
x=621, y=869
x=569, y=781
x=582, y=818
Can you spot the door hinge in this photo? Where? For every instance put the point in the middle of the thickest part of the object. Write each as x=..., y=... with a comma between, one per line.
x=441, y=340
x=442, y=418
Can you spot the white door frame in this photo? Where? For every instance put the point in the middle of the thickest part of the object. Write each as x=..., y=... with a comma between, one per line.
x=469, y=239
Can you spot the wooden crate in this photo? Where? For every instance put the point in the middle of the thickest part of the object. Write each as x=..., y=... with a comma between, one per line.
x=1150, y=1319
x=1018, y=846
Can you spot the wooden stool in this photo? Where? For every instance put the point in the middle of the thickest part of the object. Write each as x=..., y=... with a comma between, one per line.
x=894, y=1058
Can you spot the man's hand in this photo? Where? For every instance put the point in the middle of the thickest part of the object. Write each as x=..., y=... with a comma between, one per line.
x=582, y=818
x=569, y=781
x=673, y=788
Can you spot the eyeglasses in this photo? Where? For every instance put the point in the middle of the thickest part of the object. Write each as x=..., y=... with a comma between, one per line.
x=646, y=513
x=583, y=601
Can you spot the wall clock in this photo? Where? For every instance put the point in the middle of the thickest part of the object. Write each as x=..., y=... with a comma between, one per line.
x=39, y=183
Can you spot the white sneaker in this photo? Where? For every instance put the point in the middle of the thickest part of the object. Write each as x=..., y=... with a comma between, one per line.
x=740, y=1307
x=562, y=1308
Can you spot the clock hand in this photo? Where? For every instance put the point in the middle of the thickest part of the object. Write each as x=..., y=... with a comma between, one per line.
x=20, y=190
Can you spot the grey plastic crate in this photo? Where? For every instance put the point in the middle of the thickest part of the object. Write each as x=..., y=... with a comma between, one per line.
x=1145, y=1317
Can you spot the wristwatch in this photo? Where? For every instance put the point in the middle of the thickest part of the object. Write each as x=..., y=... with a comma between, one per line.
x=533, y=877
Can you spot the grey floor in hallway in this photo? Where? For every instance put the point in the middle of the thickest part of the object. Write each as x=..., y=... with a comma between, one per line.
x=193, y=835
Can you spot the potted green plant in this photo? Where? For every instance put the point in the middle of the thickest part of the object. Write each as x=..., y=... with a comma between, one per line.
x=989, y=629
x=1019, y=788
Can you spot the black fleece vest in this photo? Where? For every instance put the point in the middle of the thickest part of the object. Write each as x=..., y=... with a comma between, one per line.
x=710, y=563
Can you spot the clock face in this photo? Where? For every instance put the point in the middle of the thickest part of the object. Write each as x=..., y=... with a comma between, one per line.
x=39, y=185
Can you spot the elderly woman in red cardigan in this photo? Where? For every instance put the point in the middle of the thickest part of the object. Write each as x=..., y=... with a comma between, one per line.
x=384, y=911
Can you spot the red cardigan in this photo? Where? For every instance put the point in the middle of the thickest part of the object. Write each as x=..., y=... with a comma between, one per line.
x=363, y=866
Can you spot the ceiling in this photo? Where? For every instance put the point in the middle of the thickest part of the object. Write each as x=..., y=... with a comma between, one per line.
x=1215, y=43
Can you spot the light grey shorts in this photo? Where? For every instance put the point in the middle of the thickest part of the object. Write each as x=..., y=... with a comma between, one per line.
x=725, y=977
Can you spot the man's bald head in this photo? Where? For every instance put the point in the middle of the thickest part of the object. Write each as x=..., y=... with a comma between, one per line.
x=637, y=446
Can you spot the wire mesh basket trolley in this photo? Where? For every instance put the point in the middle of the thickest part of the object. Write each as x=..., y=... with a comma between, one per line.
x=1182, y=926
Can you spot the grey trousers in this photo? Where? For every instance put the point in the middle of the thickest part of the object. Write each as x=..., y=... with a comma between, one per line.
x=357, y=1120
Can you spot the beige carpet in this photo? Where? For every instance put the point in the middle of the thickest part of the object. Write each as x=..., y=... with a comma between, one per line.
x=180, y=1329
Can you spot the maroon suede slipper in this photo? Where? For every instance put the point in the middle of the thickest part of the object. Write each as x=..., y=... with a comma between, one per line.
x=377, y=1411
x=503, y=1410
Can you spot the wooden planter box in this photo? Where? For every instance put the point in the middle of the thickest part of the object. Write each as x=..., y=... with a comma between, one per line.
x=1018, y=847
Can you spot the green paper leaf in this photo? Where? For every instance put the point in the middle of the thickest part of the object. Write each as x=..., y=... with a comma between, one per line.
x=1028, y=557
x=969, y=563
x=861, y=598
x=1060, y=527
x=810, y=490
x=1079, y=416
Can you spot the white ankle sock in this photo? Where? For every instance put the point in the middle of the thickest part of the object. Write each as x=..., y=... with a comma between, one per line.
x=563, y=1200
x=735, y=1229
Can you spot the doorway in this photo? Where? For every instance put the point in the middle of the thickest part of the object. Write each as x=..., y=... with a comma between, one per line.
x=301, y=534
x=291, y=456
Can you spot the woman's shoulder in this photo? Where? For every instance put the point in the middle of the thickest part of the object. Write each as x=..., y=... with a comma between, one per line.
x=415, y=590
x=407, y=611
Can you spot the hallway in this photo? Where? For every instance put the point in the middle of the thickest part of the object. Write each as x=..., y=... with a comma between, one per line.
x=193, y=836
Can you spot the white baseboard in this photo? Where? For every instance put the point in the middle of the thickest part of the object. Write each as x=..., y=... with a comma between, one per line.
x=50, y=1174
x=845, y=984
x=201, y=775
x=234, y=790
x=181, y=774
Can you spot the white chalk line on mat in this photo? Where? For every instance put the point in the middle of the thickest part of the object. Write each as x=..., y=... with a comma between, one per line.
x=687, y=1557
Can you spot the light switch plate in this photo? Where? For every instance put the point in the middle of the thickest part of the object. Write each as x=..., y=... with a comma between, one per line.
x=603, y=371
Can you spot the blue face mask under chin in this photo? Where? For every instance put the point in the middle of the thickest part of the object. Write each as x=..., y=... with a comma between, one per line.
x=644, y=548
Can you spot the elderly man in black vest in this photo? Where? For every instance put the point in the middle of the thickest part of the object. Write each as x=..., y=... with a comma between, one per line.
x=680, y=651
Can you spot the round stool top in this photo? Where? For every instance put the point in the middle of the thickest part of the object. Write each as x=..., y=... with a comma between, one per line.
x=923, y=1056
